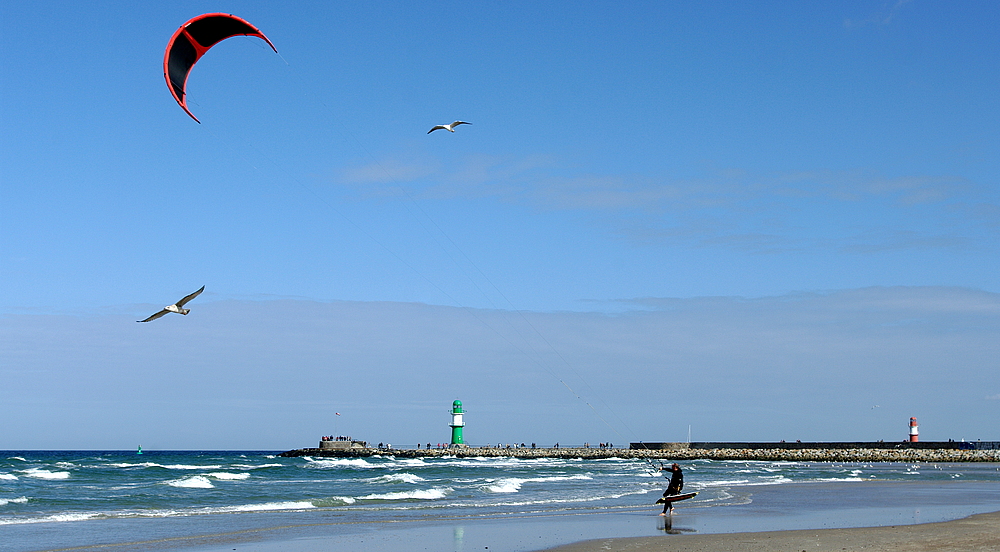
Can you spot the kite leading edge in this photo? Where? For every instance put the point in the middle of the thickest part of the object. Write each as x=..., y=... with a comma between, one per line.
x=192, y=40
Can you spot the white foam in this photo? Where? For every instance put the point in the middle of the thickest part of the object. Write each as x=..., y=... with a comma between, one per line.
x=8, y=476
x=17, y=458
x=411, y=461
x=46, y=519
x=267, y=506
x=39, y=473
x=255, y=466
x=20, y=500
x=397, y=477
x=513, y=484
x=193, y=482
x=333, y=501
x=226, y=476
x=164, y=466
x=420, y=494
x=339, y=463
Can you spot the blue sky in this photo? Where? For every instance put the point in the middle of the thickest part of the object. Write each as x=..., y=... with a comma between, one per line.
x=639, y=172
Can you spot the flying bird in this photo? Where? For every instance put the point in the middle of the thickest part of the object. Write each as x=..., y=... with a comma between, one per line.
x=177, y=307
x=449, y=128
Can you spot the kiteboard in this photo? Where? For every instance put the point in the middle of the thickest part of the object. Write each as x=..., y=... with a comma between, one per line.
x=675, y=498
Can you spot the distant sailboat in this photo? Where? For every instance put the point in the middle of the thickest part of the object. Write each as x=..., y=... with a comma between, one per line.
x=140, y=450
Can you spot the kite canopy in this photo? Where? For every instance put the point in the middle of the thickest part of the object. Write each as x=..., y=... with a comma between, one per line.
x=192, y=40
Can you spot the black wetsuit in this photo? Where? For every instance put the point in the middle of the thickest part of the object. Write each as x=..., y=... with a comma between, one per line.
x=675, y=486
x=676, y=481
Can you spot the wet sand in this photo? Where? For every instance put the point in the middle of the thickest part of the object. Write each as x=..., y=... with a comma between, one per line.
x=905, y=516
x=980, y=532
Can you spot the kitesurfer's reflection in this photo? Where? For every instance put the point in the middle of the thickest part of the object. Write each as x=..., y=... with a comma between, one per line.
x=666, y=524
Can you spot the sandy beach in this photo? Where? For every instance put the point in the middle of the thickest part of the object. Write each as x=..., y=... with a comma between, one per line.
x=979, y=532
x=974, y=533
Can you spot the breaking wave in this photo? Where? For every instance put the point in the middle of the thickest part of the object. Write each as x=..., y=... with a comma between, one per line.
x=193, y=482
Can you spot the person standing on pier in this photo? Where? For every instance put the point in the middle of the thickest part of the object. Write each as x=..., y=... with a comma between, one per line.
x=674, y=487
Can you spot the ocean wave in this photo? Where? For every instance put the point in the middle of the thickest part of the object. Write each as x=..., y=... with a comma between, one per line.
x=193, y=482
x=226, y=476
x=49, y=518
x=256, y=466
x=40, y=473
x=162, y=466
x=411, y=461
x=510, y=485
x=19, y=500
x=419, y=494
x=396, y=478
x=83, y=516
x=333, y=501
x=263, y=507
x=338, y=463
x=513, y=484
x=16, y=458
x=8, y=477
x=130, y=465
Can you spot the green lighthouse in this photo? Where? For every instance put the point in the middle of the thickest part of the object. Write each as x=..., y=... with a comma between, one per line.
x=457, y=424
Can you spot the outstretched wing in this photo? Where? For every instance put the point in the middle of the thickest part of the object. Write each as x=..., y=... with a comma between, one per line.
x=439, y=127
x=190, y=297
x=456, y=123
x=155, y=316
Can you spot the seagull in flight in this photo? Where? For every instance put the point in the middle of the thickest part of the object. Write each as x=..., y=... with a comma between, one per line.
x=449, y=128
x=177, y=307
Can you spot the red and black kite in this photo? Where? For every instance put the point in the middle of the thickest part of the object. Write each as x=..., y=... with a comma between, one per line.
x=192, y=40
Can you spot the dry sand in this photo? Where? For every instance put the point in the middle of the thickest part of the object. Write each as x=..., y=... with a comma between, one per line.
x=980, y=532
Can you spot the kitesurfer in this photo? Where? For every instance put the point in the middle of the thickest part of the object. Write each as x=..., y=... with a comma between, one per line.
x=675, y=486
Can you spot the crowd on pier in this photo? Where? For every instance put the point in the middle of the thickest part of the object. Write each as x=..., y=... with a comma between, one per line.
x=332, y=438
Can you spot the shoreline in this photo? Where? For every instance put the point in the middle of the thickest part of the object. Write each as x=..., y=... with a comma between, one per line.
x=789, y=455
x=975, y=532
x=913, y=516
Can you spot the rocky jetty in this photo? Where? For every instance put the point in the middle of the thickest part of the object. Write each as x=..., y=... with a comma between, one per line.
x=789, y=455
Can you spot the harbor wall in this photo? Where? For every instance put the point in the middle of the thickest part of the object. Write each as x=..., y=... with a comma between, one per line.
x=861, y=454
x=844, y=445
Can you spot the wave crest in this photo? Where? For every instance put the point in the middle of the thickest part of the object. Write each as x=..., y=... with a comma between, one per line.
x=420, y=494
x=193, y=482
x=40, y=473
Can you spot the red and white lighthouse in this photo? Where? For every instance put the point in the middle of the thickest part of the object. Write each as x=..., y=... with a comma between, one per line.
x=913, y=430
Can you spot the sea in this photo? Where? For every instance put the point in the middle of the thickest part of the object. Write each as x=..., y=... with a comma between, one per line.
x=249, y=500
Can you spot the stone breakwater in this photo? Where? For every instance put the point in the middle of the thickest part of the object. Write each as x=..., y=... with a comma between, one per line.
x=795, y=455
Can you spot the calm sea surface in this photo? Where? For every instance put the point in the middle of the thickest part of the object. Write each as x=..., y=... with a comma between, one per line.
x=64, y=499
